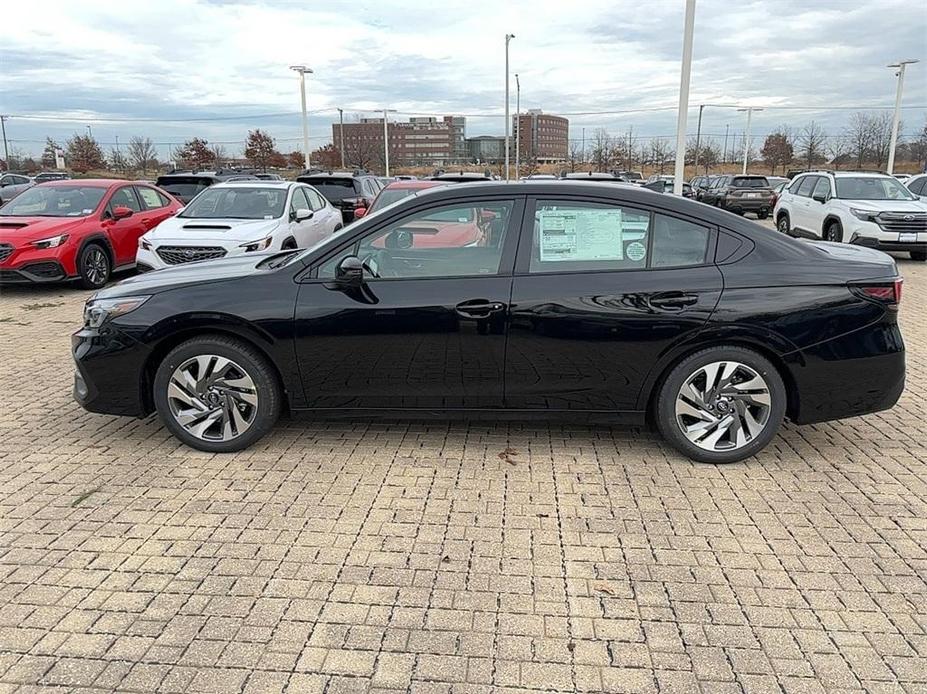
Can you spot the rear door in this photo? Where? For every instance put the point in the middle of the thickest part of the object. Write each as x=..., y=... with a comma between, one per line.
x=124, y=233
x=601, y=292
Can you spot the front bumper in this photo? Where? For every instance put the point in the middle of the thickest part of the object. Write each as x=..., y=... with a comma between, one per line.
x=37, y=272
x=109, y=374
x=872, y=236
x=29, y=265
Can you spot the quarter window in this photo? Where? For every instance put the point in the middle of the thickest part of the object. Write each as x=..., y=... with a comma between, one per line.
x=677, y=243
x=448, y=241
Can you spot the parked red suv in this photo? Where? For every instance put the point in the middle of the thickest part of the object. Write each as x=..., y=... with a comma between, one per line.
x=80, y=229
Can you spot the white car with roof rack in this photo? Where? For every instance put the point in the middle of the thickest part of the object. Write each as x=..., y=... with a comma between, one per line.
x=239, y=217
x=866, y=209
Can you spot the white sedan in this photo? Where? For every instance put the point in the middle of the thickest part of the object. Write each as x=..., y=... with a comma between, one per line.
x=239, y=217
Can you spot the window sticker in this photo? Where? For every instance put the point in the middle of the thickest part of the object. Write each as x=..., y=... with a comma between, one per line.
x=636, y=251
x=578, y=234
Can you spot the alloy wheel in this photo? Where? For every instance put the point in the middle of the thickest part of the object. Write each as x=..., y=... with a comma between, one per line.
x=212, y=397
x=784, y=224
x=723, y=406
x=96, y=266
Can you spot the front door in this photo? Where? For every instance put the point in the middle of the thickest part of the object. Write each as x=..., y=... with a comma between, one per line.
x=124, y=233
x=427, y=328
x=601, y=292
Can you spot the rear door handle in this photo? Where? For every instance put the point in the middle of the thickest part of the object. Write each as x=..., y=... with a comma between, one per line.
x=478, y=308
x=672, y=301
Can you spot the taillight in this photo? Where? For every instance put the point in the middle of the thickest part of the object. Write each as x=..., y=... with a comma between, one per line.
x=888, y=293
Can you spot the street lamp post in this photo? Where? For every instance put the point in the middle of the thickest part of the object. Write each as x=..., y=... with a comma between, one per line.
x=894, y=141
x=698, y=135
x=517, y=126
x=386, y=139
x=302, y=70
x=685, y=73
x=508, y=37
x=749, y=110
x=341, y=134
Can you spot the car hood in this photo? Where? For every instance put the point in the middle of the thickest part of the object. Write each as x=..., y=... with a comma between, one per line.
x=888, y=205
x=220, y=269
x=17, y=230
x=189, y=231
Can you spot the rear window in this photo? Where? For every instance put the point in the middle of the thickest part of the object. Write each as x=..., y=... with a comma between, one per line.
x=750, y=182
x=334, y=189
x=184, y=187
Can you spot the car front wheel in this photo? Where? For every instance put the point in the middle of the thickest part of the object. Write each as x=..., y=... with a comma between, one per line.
x=93, y=266
x=217, y=394
x=783, y=224
x=721, y=405
x=833, y=232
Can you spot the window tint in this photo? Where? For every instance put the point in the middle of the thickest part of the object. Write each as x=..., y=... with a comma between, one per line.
x=918, y=186
x=449, y=241
x=795, y=185
x=677, y=242
x=750, y=182
x=150, y=197
x=164, y=199
x=807, y=185
x=124, y=197
x=314, y=199
x=822, y=187
x=571, y=237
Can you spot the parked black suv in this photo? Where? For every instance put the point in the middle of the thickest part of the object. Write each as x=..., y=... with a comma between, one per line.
x=345, y=190
x=700, y=184
x=741, y=194
x=186, y=185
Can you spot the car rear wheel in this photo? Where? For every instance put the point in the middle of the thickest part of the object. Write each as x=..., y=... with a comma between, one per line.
x=721, y=405
x=783, y=224
x=833, y=232
x=919, y=255
x=93, y=266
x=217, y=394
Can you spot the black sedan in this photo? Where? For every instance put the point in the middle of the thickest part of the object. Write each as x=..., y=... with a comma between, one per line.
x=553, y=297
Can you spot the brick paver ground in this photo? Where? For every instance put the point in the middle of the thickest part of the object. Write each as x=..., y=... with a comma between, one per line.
x=421, y=557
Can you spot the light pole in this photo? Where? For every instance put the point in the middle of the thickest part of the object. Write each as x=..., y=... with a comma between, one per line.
x=685, y=72
x=341, y=134
x=508, y=37
x=749, y=110
x=517, y=125
x=90, y=132
x=584, y=146
x=698, y=135
x=302, y=70
x=386, y=138
x=6, y=149
x=727, y=127
x=894, y=141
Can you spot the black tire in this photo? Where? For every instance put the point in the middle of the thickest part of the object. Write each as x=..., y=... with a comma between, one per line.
x=763, y=214
x=784, y=224
x=665, y=403
x=94, y=266
x=289, y=245
x=919, y=256
x=255, y=365
x=833, y=232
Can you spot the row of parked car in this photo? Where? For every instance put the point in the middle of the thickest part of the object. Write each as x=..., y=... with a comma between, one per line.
x=89, y=229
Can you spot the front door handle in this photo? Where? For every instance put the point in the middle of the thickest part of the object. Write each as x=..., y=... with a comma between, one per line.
x=478, y=308
x=672, y=301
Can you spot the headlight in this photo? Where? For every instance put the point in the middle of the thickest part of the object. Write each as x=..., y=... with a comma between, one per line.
x=865, y=215
x=257, y=245
x=143, y=243
x=51, y=241
x=98, y=311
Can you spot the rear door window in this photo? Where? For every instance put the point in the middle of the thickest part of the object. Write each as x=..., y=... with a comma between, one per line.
x=807, y=186
x=152, y=199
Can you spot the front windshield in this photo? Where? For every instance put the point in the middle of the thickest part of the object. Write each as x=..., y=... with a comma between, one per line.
x=872, y=188
x=55, y=201
x=391, y=195
x=237, y=202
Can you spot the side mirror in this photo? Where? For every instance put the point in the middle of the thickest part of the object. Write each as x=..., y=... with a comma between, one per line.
x=350, y=271
x=122, y=212
x=359, y=212
x=302, y=214
x=820, y=198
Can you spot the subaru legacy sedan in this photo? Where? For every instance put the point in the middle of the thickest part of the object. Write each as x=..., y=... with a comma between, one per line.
x=580, y=298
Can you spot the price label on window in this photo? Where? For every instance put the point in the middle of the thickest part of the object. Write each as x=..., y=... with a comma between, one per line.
x=576, y=234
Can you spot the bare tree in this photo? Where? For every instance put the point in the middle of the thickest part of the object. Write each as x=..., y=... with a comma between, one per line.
x=659, y=153
x=709, y=154
x=574, y=155
x=881, y=137
x=219, y=154
x=838, y=149
x=811, y=143
x=141, y=153
x=601, y=152
x=859, y=136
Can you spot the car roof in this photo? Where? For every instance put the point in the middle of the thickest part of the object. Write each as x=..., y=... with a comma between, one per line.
x=412, y=185
x=89, y=182
x=255, y=183
x=335, y=174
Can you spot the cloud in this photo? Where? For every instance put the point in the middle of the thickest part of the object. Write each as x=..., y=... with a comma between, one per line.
x=162, y=67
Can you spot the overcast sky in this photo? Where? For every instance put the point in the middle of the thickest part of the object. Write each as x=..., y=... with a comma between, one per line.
x=165, y=68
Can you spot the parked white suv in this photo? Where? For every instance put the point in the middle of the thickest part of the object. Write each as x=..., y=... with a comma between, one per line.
x=866, y=209
x=239, y=217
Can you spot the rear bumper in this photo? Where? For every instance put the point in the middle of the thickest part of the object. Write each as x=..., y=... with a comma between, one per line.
x=748, y=205
x=855, y=374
